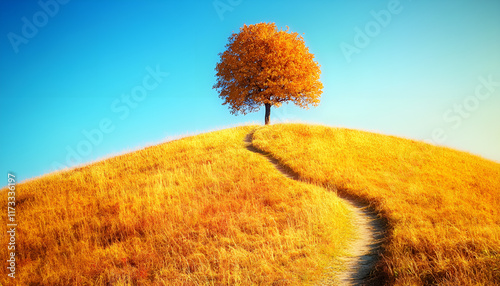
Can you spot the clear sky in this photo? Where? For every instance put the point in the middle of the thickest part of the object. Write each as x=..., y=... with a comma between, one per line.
x=84, y=80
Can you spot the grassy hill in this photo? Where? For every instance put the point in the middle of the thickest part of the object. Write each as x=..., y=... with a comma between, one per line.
x=204, y=210
x=442, y=205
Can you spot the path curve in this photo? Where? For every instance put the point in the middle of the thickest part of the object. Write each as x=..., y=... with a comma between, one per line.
x=364, y=250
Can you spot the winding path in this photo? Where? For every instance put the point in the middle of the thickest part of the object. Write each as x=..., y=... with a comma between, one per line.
x=364, y=250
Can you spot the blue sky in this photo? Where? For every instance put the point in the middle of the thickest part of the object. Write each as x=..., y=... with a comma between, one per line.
x=84, y=80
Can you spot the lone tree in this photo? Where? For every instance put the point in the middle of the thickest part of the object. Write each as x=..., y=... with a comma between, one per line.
x=266, y=66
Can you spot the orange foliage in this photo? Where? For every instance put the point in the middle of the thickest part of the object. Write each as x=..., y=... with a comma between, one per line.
x=264, y=65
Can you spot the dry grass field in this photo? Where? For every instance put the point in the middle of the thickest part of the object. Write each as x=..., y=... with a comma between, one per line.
x=201, y=210
x=442, y=206
x=204, y=210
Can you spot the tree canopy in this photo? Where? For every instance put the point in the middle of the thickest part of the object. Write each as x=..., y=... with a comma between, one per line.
x=266, y=66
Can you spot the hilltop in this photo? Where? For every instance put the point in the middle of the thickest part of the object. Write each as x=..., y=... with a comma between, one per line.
x=206, y=210
x=199, y=210
x=441, y=205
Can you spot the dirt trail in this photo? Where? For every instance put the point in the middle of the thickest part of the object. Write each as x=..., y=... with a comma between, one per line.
x=364, y=250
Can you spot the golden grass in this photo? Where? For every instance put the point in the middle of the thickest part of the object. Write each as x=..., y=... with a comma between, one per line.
x=202, y=210
x=442, y=205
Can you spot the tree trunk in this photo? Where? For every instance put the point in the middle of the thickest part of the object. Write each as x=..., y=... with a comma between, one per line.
x=268, y=113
